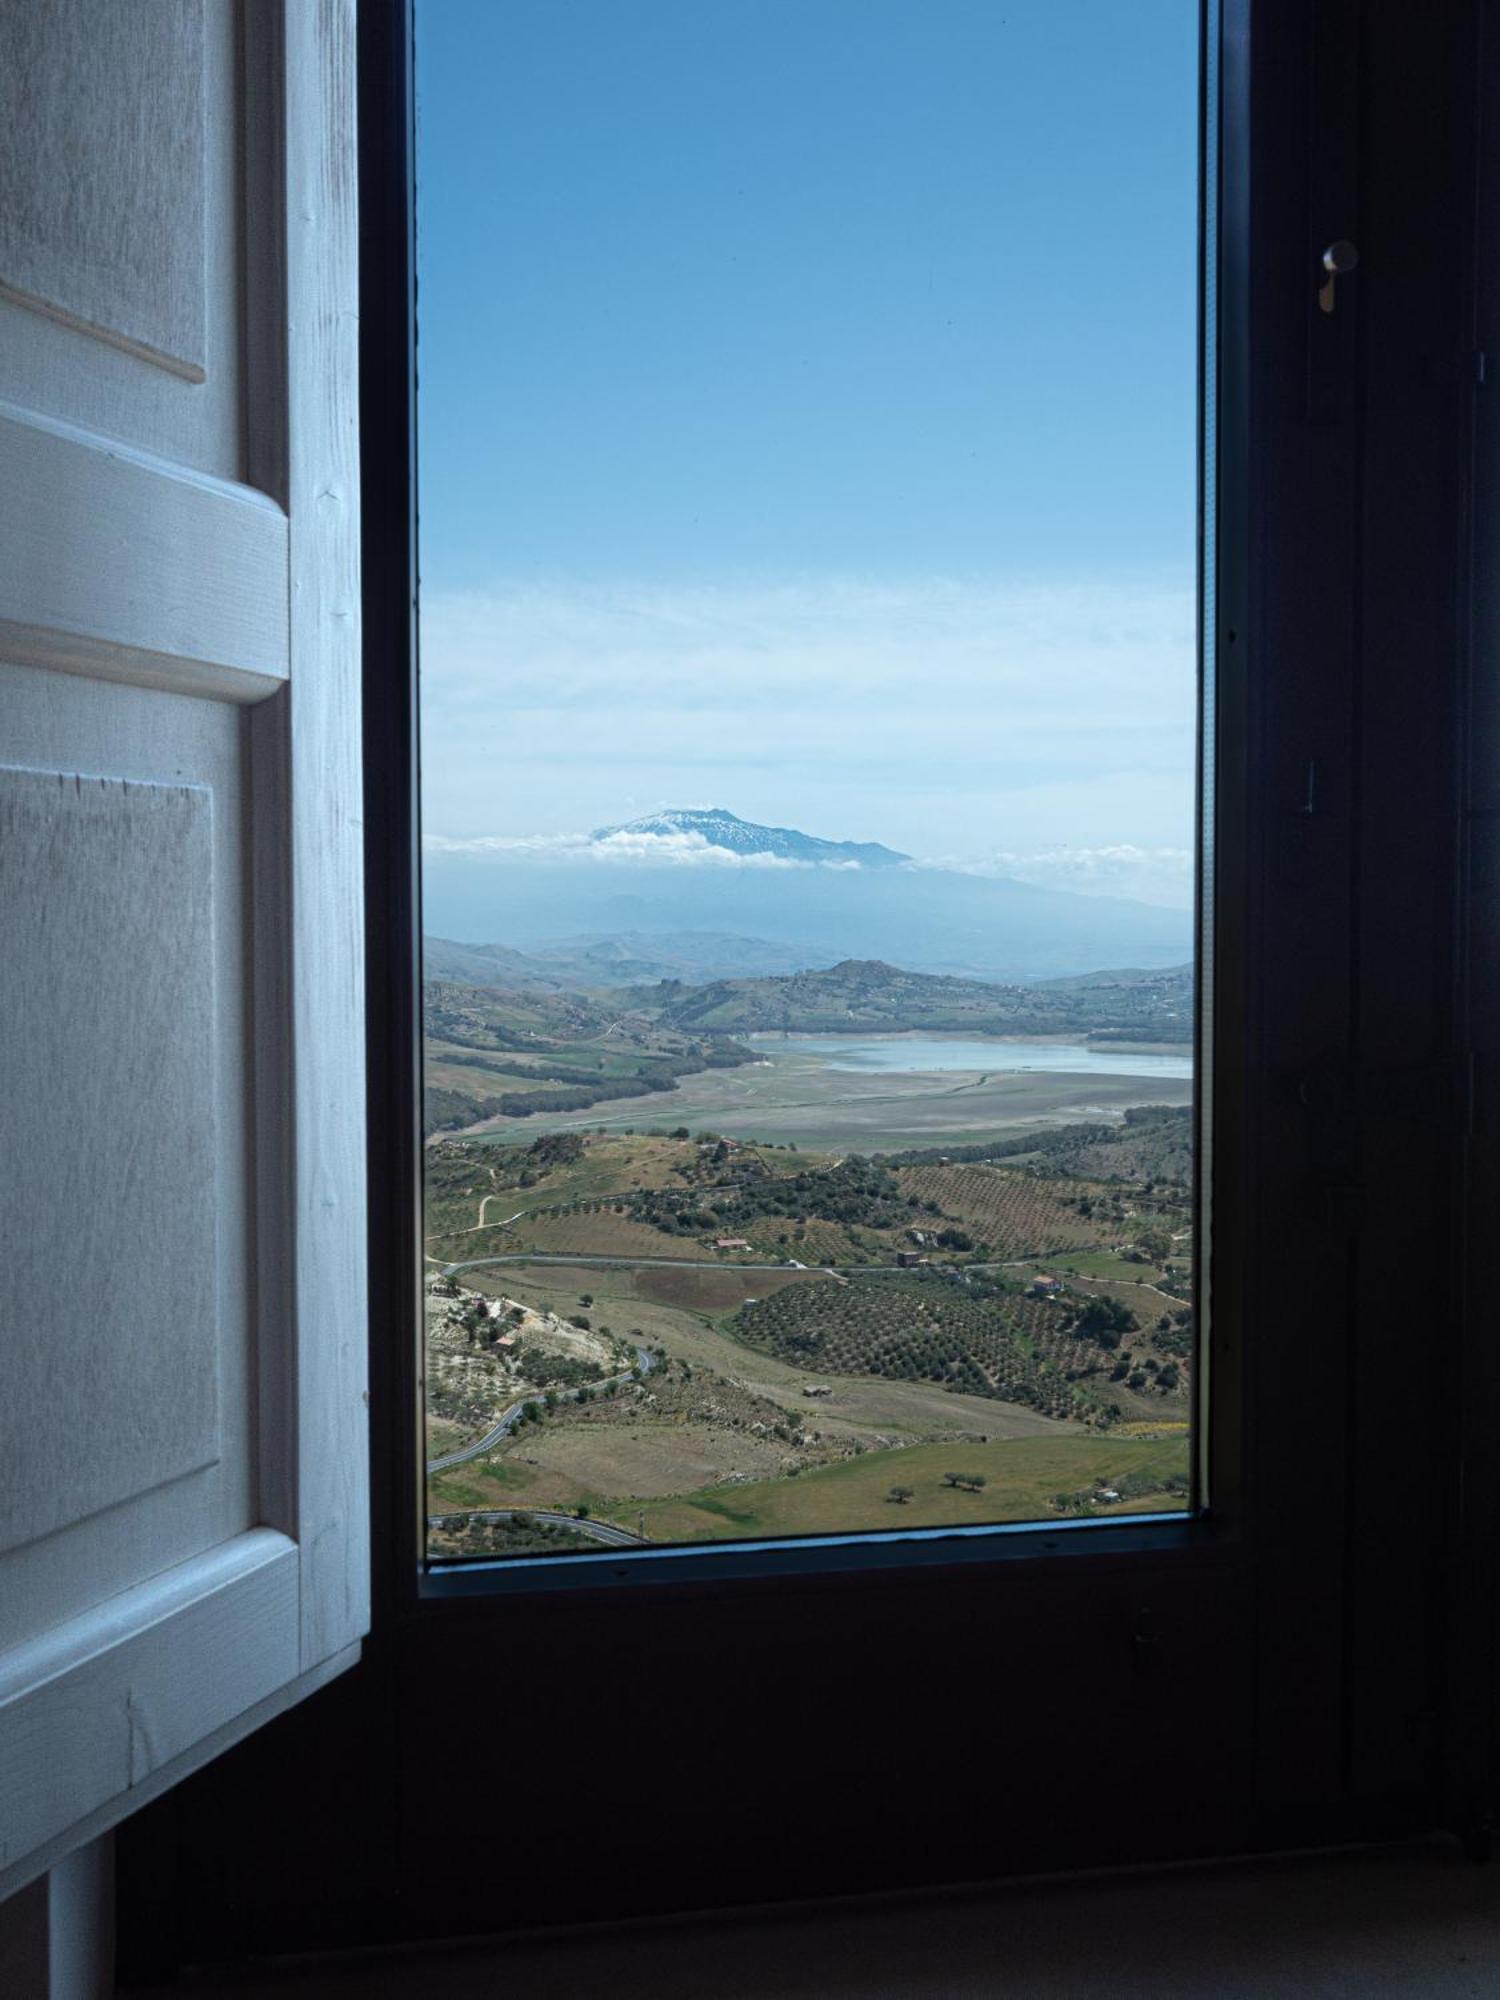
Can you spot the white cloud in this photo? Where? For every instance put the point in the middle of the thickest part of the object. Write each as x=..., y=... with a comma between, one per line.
x=954, y=714
x=670, y=850
x=1147, y=874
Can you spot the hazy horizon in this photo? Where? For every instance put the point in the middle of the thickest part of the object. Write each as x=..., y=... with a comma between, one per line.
x=775, y=462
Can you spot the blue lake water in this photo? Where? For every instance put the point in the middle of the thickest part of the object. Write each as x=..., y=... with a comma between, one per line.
x=923, y=1054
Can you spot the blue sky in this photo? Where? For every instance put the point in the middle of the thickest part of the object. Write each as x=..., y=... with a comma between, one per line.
x=807, y=419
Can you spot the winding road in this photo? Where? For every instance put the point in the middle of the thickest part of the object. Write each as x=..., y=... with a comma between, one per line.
x=645, y=1360
x=506, y=1423
x=599, y=1531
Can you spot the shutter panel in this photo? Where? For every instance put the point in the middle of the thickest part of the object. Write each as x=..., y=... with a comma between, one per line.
x=183, y=1475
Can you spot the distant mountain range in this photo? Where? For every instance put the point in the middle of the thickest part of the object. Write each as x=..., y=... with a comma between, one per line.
x=630, y=895
x=631, y=959
x=860, y=996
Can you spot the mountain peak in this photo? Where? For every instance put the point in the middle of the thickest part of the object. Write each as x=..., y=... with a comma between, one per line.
x=720, y=828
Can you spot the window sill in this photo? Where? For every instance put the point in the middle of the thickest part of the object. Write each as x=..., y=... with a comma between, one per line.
x=1039, y=1546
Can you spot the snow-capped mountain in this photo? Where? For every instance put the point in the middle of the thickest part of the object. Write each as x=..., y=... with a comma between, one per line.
x=806, y=900
x=718, y=828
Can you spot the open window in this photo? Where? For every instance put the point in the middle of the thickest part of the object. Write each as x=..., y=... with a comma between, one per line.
x=1287, y=1660
x=774, y=483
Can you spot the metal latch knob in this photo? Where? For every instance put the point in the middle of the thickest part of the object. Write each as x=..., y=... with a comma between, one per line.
x=1338, y=260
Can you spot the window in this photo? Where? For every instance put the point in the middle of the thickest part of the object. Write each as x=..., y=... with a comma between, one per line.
x=1308, y=1659
x=809, y=759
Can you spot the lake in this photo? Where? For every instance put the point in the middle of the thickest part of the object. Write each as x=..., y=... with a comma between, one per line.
x=885, y=1093
x=923, y=1055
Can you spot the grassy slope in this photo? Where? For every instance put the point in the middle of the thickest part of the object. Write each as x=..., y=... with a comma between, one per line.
x=1022, y=1473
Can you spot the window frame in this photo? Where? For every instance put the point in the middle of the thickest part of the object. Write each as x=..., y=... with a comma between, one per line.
x=392, y=750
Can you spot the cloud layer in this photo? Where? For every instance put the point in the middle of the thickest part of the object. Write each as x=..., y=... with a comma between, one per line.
x=1146, y=874
x=667, y=850
x=1045, y=720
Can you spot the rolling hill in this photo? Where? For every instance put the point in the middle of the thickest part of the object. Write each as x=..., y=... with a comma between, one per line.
x=863, y=995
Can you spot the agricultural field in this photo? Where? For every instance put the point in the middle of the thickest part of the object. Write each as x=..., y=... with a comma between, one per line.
x=1019, y=1214
x=1025, y=1479
x=1047, y=1316
x=922, y=1327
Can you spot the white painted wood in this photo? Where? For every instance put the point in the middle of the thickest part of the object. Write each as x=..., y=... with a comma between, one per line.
x=102, y=171
x=193, y=594
x=323, y=775
x=52, y=721
x=62, y=369
x=110, y=886
x=105, y=1700
x=81, y=1924
x=120, y=1805
x=182, y=630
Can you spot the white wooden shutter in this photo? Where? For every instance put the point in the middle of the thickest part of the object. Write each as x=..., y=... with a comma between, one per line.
x=183, y=1478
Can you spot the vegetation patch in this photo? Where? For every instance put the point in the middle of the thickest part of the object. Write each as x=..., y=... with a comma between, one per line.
x=924, y=1326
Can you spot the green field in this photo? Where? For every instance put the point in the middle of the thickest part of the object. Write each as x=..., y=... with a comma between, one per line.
x=1023, y=1475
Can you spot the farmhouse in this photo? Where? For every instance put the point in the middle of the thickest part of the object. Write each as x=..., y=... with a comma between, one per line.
x=909, y=1259
x=1045, y=1286
x=730, y=1243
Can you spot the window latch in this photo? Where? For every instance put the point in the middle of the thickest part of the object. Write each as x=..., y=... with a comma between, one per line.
x=1338, y=260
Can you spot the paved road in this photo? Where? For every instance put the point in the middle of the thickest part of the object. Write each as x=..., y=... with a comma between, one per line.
x=646, y=1360
x=506, y=1423
x=599, y=1531
x=574, y=1257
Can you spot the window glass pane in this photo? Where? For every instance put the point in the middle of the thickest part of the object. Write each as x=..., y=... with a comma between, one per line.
x=809, y=506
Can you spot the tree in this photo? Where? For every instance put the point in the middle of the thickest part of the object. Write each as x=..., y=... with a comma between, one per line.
x=1154, y=1242
x=900, y=1494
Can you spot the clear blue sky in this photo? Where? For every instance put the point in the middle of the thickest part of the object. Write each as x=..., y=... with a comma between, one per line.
x=792, y=326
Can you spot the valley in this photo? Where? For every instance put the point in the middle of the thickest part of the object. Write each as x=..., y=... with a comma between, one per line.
x=729, y=1233
x=791, y=1341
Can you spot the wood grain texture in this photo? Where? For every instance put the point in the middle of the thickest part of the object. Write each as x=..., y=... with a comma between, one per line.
x=122, y=566
x=102, y=171
x=109, y=1383
x=64, y=370
x=93, y=1708
x=323, y=774
x=52, y=722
